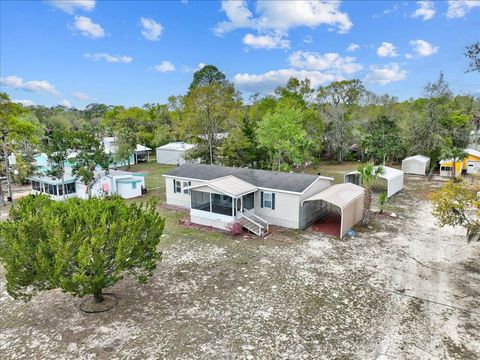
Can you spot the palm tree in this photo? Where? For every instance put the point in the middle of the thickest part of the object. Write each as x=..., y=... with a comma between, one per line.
x=368, y=173
x=456, y=154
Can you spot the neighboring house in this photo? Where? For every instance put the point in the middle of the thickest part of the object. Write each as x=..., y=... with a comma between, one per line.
x=122, y=183
x=471, y=164
x=173, y=153
x=218, y=196
x=394, y=178
x=416, y=165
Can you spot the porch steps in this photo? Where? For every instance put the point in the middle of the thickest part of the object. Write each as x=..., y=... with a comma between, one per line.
x=253, y=223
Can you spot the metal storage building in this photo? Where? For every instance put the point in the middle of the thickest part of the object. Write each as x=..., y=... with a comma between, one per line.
x=173, y=152
x=416, y=165
x=393, y=176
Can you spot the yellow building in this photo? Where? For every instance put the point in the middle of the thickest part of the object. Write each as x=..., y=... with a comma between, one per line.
x=446, y=168
x=471, y=164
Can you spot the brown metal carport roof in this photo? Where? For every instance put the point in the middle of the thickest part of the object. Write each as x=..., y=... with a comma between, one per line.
x=349, y=198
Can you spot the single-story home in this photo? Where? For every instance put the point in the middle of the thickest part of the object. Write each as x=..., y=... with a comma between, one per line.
x=472, y=162
x=394, y=178
x=218, y=196
x=446, y=167
x=416, y=165
x=173, y=153
x=122, y=183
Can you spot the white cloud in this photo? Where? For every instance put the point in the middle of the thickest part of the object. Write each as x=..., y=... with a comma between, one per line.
x=386, y=74
x=16, y=82
x=190, y=69
x=82, y=96
x=329, y=62
x=164, y=66
x=459, y=8
x=24, y=102
x=423, y=48
x=280, y=16
x=151, y=29
x=109, y=58
x=65, y=103
x=268, y=81
x=69, y=6
x=387, y=11
x=426, y=10
x=353, y=47
x=308, y=39
x=88, y=28
x=408, y=56
x=387, y=50
x=266, y=41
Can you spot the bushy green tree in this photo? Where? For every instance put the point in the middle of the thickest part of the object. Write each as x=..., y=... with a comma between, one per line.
x=457, y=204
x=89, y=156
x=79, y=246
x=381, y=141
x=282, y=135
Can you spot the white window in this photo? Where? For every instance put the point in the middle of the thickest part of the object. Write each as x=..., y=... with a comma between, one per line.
x=178, y=186
x=186, y=184
x=267, y=200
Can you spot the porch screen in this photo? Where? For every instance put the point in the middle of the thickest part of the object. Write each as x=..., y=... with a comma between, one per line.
x=200, y=200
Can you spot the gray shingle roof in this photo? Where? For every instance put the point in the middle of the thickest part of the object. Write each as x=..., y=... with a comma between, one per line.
x=260, y=178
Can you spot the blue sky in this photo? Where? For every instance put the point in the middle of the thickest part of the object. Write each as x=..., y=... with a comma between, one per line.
x=130, y=53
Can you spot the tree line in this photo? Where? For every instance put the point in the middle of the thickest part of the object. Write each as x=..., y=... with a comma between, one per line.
x=289, y=129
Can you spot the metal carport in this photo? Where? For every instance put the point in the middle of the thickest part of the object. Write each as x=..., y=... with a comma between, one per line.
x=348, y=198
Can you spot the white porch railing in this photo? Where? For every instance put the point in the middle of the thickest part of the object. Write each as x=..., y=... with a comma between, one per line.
x=253, y=222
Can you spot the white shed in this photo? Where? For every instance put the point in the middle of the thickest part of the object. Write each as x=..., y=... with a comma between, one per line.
x=416, y=165
x=393, y=176
x=173, y=153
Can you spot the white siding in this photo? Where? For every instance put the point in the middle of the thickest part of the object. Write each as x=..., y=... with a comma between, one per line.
x=414, y=166
x=178, y=199
x=126, y=190
x=312, y=210
x=170, y=156
x=286, y=211
x=206, y=218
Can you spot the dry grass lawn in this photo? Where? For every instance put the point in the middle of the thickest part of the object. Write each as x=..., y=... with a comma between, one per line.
x=403, y=289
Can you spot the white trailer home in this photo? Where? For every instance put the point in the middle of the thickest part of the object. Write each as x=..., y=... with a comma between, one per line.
x=122, y=183
x=218, y=196
x=416, y=165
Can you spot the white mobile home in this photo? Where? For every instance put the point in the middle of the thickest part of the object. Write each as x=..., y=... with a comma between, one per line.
x=122, y=183
x=173, y=153
x=416, y=165
x=217, y=196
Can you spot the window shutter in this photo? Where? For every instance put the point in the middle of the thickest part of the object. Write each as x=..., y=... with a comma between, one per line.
x=174, y=186
x=273, y=201
x=261, y=199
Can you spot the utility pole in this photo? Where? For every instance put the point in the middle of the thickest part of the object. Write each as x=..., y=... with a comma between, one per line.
x=7, y=168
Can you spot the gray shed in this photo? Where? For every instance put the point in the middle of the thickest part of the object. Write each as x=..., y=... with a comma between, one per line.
x=416, y=165
x=173, y=153
x=348, y=199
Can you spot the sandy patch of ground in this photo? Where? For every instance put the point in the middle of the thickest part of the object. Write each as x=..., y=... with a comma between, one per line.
x=404, y=289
